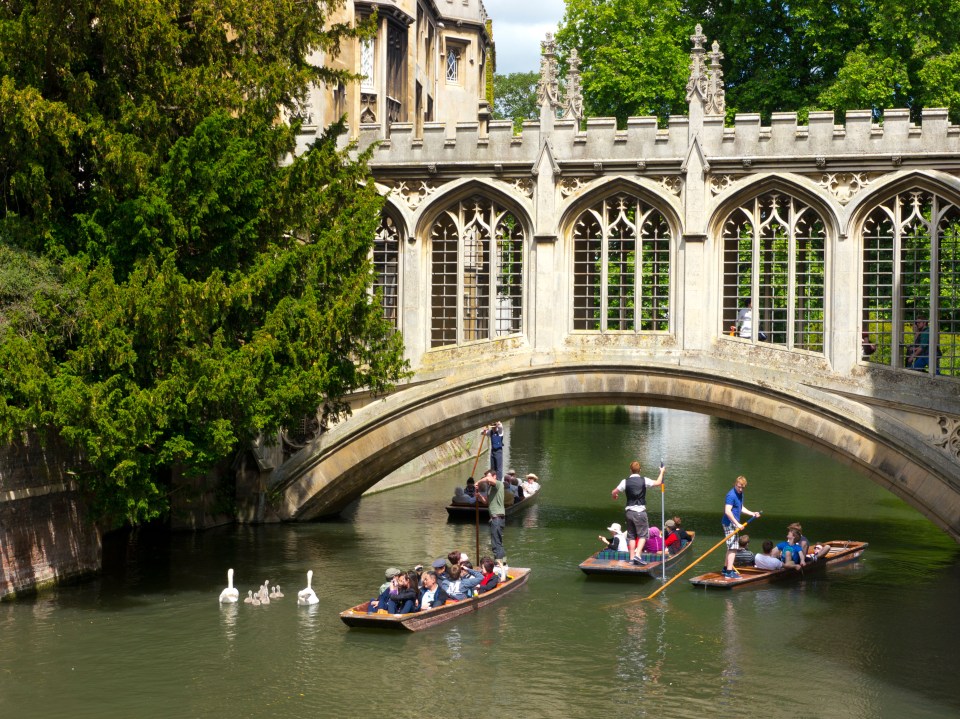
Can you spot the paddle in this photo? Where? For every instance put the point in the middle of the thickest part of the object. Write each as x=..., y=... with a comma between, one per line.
x=476, y=499
x=687, y=568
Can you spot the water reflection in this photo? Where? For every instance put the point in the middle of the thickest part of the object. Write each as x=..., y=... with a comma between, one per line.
x=147, y=637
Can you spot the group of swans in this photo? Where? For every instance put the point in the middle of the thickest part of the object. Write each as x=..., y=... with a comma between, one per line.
x=230, y=595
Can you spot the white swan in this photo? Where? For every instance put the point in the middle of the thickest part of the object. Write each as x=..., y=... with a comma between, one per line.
x=249, y=599
x=229, y=595
x=273, y=593
x=279, y=593
x=256, y=601
x=307, y=596
x=264, y=593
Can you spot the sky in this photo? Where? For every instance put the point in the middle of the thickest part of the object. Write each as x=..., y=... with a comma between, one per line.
x=518, y=28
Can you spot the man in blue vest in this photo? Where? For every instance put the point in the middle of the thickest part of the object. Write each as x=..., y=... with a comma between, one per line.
x=495, y=431
x=636, y=513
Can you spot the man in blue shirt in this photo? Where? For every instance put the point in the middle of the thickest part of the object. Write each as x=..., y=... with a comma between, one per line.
x=495, y=432
x=732, y=510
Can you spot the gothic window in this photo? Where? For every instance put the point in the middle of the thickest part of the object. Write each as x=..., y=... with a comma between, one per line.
x=621, y=267
x=386, y=266
x=454, y=55
x=367, y=64
x=476, y=262
x=911, y=272
x=774, y=269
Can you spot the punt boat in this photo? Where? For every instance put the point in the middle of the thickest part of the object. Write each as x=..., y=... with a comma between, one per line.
x=611, y=563
x=415, y=621
x=840, y=552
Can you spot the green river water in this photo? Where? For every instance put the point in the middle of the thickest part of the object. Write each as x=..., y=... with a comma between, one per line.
x=877, y=638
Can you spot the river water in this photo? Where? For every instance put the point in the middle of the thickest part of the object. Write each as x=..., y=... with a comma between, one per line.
x=874, y=639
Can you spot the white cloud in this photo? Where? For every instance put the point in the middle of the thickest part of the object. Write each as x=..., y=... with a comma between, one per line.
x=518, y=28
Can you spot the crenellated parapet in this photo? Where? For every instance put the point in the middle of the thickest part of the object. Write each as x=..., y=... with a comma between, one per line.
x=858, y=144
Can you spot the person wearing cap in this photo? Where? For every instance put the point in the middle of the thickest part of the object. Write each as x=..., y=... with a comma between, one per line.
x=495, y=492
x=389, y=576
x=439, y=567
x=635, y=487
x=617, y=541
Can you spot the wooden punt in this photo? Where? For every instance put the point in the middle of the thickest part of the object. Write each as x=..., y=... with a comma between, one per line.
x=357, y=616
x=841, y=551
x=615, y=564
x=467, y=512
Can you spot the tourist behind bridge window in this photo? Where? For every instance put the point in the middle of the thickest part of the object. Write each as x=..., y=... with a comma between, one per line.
x=744, y=326
x=918, y=354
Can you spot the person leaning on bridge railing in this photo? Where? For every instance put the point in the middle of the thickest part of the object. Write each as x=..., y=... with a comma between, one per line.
x=918, y=354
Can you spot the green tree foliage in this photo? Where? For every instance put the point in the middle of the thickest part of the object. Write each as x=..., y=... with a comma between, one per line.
x=173, y=279
x=515, y=97
x=779, y=56
x=635, y=55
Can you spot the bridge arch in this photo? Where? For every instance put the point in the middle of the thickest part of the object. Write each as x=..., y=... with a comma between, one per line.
x=339, y=466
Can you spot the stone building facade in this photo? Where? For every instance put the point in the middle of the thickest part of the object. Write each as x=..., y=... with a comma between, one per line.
x=427, y=63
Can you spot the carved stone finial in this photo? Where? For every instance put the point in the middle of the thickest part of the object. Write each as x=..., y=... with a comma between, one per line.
x=698, y=38
x=574, y=103
x=697, y=84
x=706, y=83
x=548, y=89
x=716, y=97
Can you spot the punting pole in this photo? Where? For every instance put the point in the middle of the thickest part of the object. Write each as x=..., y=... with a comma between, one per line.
x=476, y=498
x=687, y=568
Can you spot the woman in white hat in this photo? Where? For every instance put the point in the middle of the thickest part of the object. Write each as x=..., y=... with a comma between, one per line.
x=617, y=541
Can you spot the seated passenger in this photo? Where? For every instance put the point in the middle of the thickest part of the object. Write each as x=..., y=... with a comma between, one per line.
x=461, y=497
x=490, y=577
x=530, y=485
x=767, y=560
x=790, y=551
x=654, y=541
x=388, y=577
x=517, y=488
x=471, y=489
x=744, y=556
x=804, y=542
x=617, y=541
x=461, y=582
x=387, y=590
x=432, y=594
x=676, y=538
x=407, y=596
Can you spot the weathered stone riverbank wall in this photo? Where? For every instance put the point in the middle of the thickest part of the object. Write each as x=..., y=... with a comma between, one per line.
x=46, y=535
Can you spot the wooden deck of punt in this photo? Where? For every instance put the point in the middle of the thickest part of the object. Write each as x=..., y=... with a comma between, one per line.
x=357, y=616
x=467, y=512
x=841, y=551
x=601, y=564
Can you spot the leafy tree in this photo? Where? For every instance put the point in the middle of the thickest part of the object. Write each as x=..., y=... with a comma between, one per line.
x=779, y=56
x=174, y=280
x=515, y=97
x=635, y=55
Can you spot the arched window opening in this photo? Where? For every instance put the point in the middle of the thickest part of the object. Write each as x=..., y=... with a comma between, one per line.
x=621, y=267
x=386, y=267
x=774, y=270
x=911, y=284
x=476, y=262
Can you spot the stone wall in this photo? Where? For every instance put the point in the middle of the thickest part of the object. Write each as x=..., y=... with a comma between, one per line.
x=46, y=535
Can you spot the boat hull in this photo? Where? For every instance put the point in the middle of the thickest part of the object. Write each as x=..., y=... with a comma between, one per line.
x=357, y=616
x=841, y=551
x=605, y=565
x=468, y=512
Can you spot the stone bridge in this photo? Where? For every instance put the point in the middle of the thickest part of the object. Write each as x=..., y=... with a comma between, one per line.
x=768, y=273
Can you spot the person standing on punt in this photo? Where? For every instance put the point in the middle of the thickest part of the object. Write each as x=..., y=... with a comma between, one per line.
x=732, y=510
x=495, y=432
x=638, y=526
x=495, y=504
